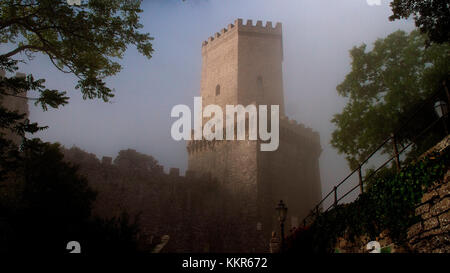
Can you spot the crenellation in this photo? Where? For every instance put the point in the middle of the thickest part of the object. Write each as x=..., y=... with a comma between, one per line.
x=224, y=31
x=290, y=130
x=259, y=28
x=294, y=132
x=248, y=27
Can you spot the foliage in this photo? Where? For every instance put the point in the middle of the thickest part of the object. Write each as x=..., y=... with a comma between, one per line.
x=14, y=122
x=46, y=203
x=85, y=40
x=388, y=204
x=384, y=88
x=43, y=200
x=110, y=236
x=130, y=159
x=432, y=17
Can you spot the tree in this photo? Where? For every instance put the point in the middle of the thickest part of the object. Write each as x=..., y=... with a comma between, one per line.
x=85, y=40
x=43, y=198
x=432, y=17
x=47, y=203
x=383, y=88
x=132, y=160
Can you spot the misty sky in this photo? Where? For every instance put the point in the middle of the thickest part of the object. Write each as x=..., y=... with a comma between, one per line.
x=317, y=35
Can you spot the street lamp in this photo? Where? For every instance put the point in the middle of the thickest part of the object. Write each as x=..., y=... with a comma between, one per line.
x=441, y=109
x=282, y=212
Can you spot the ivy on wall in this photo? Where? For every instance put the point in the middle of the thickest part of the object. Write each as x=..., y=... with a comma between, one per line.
x=388, y=203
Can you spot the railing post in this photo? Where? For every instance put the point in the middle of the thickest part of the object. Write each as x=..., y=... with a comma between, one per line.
x=361, y=185
x=446, y=92
x=397, y=158
x=335, y=196
x=317, y=211
x=445, y=119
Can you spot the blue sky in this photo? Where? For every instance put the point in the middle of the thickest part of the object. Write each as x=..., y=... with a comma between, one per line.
x=317, y=35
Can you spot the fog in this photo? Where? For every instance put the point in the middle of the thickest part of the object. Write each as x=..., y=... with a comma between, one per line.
x=317, y=37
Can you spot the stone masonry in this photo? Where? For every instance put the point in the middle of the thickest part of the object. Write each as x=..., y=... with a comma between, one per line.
x=431, y=233
x=243, y=65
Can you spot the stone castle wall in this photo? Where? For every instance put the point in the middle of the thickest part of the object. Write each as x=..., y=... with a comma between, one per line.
x=219, y=69
x=260, y=55
x=197, y=214
x=431, y=234
x=243, y=65
x=261, y=179
x=291, y=173
x=234, y=165
x=244, y=61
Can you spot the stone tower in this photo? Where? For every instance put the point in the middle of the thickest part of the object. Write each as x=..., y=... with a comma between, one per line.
x=243, y=65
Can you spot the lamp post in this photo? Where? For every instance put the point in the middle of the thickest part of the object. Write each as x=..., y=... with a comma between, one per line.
x=441, y=109
x=282, y=212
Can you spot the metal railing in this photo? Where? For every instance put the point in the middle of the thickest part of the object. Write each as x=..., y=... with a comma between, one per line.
x=395, y=156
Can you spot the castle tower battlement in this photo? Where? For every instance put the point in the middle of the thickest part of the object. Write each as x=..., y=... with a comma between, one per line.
x=243, y=65
x=293, y=131
x=240, y=26
x=290, y=131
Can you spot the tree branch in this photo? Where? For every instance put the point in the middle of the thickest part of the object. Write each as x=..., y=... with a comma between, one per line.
x=22, y=97
x=20, y=49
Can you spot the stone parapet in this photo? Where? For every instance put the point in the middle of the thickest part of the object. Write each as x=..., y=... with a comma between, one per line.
x=431, y=233
x=239, y=26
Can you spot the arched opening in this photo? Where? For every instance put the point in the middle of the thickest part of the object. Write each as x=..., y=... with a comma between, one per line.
x=218, y=90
